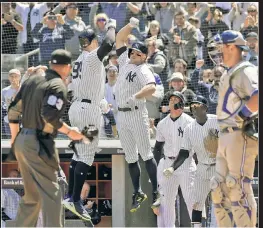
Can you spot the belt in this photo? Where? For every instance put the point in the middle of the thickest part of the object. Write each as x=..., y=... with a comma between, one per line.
x=208, y=164
x=86, y=101
x=230, y=129
x=172, y=158
x=28, y=131
x=126, y=109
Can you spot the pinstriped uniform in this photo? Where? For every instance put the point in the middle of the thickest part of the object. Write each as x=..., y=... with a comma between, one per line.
x=193, y=140
x=171, y=132
x=134, y=129
x=88, y=81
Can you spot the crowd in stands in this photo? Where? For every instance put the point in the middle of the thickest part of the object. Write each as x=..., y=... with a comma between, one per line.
x=177, y=35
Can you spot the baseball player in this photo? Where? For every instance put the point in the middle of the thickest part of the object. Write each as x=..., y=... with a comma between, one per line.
x=201, y=136
x=135, y=82
x=237, y=146
x=88, y=81
x=170, y=133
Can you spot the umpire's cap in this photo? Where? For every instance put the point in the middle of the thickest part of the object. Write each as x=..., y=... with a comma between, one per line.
x=232, y=37
x=86, y=37
x=177, y=94
x=199, y=100
x=61, y=56
x=138, y=46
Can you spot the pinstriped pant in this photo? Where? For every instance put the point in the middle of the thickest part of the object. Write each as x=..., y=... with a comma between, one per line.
x=82, y=114
x=168, y=187
x=134, y=133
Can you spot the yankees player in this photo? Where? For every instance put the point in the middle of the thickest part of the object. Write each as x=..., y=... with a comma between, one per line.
x=135, y=82
x=88, y=81
x=237, y=148
x=170, y=132
x=194, y=136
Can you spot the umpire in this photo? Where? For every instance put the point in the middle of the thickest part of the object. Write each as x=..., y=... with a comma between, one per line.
x=41, y=102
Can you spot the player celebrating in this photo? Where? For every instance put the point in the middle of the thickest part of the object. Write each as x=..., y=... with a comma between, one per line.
x=201, y=136
x=237, y=145
x=135, y=82
x=88, y=80
x=170, y=132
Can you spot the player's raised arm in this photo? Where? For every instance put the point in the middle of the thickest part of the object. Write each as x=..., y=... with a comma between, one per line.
x=125, y=31
x=109, y=39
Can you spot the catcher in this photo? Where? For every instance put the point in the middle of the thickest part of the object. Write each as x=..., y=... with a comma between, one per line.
x=200, y=136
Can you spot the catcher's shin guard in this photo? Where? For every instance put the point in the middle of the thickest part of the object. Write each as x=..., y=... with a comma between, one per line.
x=222, y=205
x=243, y=203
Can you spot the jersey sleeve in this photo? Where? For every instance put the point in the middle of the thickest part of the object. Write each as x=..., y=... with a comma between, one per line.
x=247, y=83
x=123, y=58
x=159, y=134
x=146, y=76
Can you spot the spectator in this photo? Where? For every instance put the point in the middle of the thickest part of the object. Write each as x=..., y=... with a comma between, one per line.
x=183, y=43
x=134, y=10
x=177, y=83
x=10, y=26
x=158, y=61
x=212, y=25
x=52, y=32
x=192, y=11
x=251, y=21
x=111, y=59
x=8, y=94
x=164, y=14
x=200, y=38
x=100, y=21
x=152, y=128
x=180, y=66
x=252, y=54
x=225, y=8
x=112, y=75
x=206, y=77
x=75, y=23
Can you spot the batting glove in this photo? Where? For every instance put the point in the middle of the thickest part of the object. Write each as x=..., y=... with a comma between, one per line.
x=168, y=172
x=131, y=102
x=110, y=24
x=134, y=22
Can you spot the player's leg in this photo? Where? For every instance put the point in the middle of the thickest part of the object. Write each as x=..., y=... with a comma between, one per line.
x=141, y=133
x=131, y=156
x=241, y=155
x=219, y=191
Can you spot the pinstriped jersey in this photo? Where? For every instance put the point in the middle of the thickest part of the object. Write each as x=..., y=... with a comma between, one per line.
x=172, y=133
x=194, y=135
x=88, y=77
x=131, y=79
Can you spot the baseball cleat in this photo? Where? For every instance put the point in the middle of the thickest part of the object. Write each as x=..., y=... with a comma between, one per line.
x=137, y=199
x=156, y=200
x=76, y=208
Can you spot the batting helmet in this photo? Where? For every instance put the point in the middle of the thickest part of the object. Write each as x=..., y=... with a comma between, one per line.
x=181, y=104
x=199, y=100
x=86, y=37
x=138, y=46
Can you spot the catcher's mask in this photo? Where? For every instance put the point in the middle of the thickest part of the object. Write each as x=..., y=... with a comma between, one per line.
x=215, y=51
x=86, y=37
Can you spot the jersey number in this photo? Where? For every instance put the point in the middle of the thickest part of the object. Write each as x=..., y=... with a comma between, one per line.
x=76, y=72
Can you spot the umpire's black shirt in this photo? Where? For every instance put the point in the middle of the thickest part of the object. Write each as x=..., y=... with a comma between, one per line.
x=41, y=99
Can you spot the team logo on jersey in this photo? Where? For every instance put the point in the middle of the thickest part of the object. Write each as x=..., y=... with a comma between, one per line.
x=216, y=133
x=131, y=76
x=180, y=132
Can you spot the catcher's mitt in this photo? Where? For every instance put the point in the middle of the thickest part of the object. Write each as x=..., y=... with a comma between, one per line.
x=250, y=127
x=89, y=132
x=211, y=143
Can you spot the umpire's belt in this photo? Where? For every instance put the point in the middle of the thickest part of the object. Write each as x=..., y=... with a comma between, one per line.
x=230, y=129
x=28, y=131
x=172, y=158
x=126, y=109
x=86, y=101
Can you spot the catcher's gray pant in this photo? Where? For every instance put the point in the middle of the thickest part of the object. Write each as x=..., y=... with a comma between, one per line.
x=82, y=114
x=168, y=187
x=134, y=133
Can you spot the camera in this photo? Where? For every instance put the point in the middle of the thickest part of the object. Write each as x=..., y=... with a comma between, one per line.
x=52, y=17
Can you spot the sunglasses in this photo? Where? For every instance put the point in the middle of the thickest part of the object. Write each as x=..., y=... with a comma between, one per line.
x=252, y=11
x=101, y=19
x=133, y=53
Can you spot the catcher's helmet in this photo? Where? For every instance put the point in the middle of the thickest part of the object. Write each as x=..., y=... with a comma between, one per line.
x=86, y=37
x=138, y=46
x=199, y=100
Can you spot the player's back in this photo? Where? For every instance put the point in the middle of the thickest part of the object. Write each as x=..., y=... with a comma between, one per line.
x=88, y=77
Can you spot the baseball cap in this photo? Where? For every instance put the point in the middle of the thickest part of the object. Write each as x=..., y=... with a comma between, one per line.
x=72, y=5
x=138, y=46
x=14, y=71
x=232, y=37
x=252, y=35
x=61, y=56
x=177, y=75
